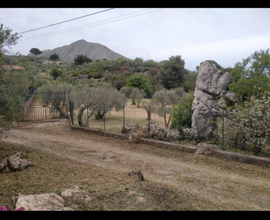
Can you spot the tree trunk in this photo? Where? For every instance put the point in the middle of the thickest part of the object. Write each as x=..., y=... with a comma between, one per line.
x=256, y=148
x=169, y=120
x=138, y=104
x=165, y=120
x=80, y=121
x=133, y=102
x=91, y=113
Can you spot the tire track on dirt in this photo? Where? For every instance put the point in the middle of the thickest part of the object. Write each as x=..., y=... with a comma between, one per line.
x=202, y=180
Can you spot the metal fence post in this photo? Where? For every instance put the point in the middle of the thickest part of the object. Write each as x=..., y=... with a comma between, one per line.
x=179, y=121
x=104, y=114
x=45, y=108
x=87, y=116
x=123, y=115
x=71, y=111
x=149, y=118
x=223, y=130
x=66, y=105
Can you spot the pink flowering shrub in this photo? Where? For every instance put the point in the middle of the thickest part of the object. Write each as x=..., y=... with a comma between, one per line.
x=3, y=208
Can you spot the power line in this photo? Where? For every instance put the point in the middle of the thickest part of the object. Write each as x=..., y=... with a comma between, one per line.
x=66, y=21
x=78, y=27
x=75, y=29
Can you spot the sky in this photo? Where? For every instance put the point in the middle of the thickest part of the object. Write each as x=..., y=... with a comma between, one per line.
x=226, y=35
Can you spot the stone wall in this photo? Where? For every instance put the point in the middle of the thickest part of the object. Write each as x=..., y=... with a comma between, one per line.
x=250, y=159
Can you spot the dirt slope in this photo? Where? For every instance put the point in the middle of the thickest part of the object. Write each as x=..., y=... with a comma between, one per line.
x=229, y=185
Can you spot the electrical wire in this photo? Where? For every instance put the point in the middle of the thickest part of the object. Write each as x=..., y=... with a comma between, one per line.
x=76, y=28
x=66, y=21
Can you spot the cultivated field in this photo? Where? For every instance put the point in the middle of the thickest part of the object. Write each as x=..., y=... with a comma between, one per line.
x=174, y=180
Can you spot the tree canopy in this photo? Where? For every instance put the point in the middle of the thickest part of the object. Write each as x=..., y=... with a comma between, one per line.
x=7, y=39
x=251, y=76
x=139, y=81
x=172, y=72
x=54, y=57
x=35, y=51
x=80, y=59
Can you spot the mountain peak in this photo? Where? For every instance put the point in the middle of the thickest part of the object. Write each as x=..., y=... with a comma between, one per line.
x=92, y=50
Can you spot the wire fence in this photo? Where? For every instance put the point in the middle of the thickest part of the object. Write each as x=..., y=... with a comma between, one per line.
x=116, y=120
x=41, y=106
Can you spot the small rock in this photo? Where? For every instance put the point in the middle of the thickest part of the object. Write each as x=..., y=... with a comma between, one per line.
x=132, y=173
x=4, y=164
x=76, y=195
x=140, y=199
x=140, y=175
x=206, y=149
x=41, y=202
x=128, y=128
x=133, y=137
x=16, y=163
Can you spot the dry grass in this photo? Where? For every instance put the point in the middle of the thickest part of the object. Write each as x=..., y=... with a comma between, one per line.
x=174, y=180
x=114, y=119
x=108, y=190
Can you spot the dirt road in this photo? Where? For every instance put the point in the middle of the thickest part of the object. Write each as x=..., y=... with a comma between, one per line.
x=230, y=185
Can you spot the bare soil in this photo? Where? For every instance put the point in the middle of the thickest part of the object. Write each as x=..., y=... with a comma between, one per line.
x=174, y=180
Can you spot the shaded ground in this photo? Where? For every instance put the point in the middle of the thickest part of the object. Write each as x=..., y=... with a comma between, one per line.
x=174, y=180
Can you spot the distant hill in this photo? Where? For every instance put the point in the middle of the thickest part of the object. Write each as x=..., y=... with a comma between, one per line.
x=92, y=50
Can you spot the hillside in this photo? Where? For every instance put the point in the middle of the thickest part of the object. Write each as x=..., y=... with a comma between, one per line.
x=92, y=50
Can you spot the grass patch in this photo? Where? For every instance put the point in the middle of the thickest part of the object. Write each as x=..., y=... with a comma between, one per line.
x=109, y=190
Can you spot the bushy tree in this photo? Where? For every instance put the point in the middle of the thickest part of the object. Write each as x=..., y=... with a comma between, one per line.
x=248, y=125
x=13, y=90
x=126, y=91
x=172, y=72
x=12, y=84
x=54, y=94
x=251, y=76
x=54, y=57
x=35, y=51
x=7, y=39
x=119, y=82
x=139, y=81
x=80, y=59
x=185, y=107
x=164, y=100
x=154, y=71
x=138, y=94
x=123, y=69
x=93, y=98
x=56, y=73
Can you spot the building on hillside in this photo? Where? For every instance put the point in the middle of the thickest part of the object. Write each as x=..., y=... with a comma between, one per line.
x=13, y=67
x=51, y=61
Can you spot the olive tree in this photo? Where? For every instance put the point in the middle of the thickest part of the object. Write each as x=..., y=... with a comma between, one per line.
x=7, y=39
x=13, y=89
x=12, y=84
x=94, y=98
x=126, y=90
x=164, y=100
x=54, y=94
x=138, y=94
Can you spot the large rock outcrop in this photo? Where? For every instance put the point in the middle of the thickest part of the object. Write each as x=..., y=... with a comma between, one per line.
x=211, y=94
